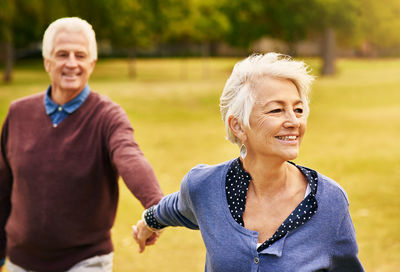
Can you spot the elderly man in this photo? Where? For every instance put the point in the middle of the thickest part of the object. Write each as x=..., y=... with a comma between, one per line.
x=62, y=152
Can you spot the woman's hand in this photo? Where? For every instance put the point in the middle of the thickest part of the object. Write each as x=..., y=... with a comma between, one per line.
x=143, y=235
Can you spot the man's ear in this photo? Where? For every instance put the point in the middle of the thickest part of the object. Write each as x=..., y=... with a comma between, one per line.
x=46, y=64
x=237, y=128
x=92, y=65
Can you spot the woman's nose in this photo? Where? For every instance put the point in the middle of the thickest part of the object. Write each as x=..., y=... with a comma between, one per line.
x=291, y=119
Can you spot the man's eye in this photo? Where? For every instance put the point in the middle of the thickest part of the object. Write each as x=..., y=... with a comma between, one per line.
x=299, y=110
x=80, y=56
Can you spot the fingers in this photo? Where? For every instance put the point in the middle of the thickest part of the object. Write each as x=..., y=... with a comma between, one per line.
x=139, y=238
x=143, y=236
x=152, y=239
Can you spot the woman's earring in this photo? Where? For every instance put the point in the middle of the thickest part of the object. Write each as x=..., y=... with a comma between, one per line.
x=243, y=151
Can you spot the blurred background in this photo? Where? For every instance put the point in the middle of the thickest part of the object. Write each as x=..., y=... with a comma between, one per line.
x=160, y=28
x=166, y=62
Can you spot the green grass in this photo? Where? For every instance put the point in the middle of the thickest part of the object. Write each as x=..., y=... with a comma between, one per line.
x=173, y=106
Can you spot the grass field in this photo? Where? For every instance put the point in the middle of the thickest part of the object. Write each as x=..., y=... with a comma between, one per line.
x=173, y=106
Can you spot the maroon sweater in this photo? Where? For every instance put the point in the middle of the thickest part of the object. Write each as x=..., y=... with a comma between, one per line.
x=59, y=186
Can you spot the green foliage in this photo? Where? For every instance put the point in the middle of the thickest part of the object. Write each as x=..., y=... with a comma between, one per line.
x=7, y=11
x=148, y=23
x=14, y=15
x=128, y=25
x=343, y=16
x=380, y=22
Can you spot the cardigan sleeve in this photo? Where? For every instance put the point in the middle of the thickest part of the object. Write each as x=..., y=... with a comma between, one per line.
x=5, y=189
x=177, y=208
x=129, y=160
x=345, y=250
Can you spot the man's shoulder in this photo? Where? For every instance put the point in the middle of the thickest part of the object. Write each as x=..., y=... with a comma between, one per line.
x=101, y=108
x=104, y=102
x=28, y=101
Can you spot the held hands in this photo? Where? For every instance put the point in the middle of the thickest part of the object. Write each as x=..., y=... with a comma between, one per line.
x=143, y=235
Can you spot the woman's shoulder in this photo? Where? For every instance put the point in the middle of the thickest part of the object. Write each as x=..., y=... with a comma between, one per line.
x=327, y=188
x=331, y=188
x=204, y=170
x=202, y=174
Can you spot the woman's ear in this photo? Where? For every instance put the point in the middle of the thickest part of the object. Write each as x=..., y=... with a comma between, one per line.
x=236, y=128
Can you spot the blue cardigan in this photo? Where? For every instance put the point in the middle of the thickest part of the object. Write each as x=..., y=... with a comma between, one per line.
x=201, y=204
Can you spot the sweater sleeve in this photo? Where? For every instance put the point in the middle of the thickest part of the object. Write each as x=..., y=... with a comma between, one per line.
x=345, y=249
x=5, y=189
x=177, y=209
x=129, y=160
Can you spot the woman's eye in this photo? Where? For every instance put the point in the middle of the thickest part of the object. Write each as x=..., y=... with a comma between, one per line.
x=275, y=111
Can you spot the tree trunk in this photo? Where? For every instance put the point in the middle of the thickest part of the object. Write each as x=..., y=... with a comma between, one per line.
x=9, y=61
x=328, y=52
x=292, y=49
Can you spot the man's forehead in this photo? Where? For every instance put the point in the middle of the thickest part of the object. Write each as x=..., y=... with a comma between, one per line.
x=70, y=40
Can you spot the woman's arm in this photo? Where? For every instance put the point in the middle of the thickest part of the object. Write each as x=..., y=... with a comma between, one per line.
x=345, y=248
x=173, y=210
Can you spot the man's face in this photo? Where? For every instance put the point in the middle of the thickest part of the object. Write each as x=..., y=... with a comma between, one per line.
x=69, y=65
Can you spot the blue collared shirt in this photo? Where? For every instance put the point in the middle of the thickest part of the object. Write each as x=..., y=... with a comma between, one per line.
x=57, y=112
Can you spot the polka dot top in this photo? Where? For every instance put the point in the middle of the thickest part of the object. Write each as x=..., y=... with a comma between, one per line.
x=237, y=184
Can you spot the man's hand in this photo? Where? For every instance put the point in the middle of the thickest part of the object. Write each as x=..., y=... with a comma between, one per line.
x=143, y=235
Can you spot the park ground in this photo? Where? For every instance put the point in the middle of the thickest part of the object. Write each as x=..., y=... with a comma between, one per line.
x=173, y=106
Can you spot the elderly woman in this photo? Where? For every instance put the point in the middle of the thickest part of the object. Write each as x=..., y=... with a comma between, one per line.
x=260, y=211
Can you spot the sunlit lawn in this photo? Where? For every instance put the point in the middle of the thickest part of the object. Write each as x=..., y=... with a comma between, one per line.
x=173, y=106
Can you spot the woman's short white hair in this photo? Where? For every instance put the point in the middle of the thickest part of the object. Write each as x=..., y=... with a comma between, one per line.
x=70, y=24
x=237, y=99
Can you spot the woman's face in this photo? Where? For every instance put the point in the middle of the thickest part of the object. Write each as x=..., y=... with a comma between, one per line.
x=277, y=120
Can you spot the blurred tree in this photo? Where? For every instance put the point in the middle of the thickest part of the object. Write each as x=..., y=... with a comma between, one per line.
x=20, y=28
x=7, y=8
x=380, y=24
x=289, y=20
x=210, y=23
x=177, y=25
x=210, y=26
x=129, y=27
x=335, y=17
x=293, y=21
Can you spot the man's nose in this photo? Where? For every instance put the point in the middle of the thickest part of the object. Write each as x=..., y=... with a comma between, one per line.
x=71, y=61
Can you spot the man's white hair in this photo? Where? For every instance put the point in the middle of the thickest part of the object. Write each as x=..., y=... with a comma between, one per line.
x=237, y=97
x=70, y=24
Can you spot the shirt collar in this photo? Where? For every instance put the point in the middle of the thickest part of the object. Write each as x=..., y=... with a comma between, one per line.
x=310, y=174
x=68, y=107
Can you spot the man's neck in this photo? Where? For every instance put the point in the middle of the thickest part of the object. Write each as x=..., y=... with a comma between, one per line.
x=63, y=97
